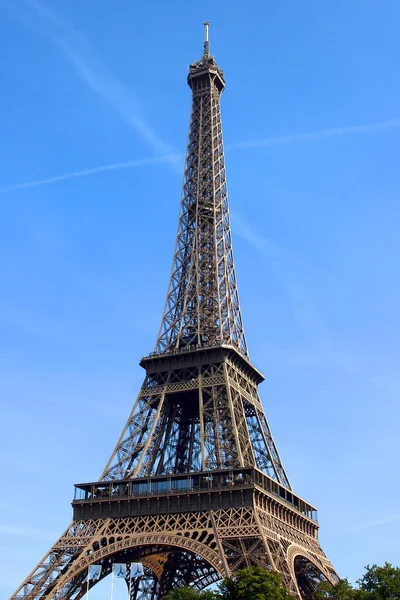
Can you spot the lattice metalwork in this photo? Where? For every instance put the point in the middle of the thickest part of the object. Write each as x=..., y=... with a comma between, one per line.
x=202, y=305
x=197, y=422
x=200, y=418
x=196, y=548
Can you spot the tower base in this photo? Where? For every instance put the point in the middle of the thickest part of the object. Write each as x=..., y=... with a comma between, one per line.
x=185, y=530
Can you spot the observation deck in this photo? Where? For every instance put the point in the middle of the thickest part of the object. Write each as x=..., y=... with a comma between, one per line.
x=207, y=490
x=195, y=355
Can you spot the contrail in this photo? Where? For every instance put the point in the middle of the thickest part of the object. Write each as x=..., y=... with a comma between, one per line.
x=385, y=520
x=113, y=167
x=176, y=158
x=77, y=49
x=276, y=140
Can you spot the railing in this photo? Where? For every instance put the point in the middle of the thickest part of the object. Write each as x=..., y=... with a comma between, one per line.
x=174, y=484
x=193, y=347
x=166, y=485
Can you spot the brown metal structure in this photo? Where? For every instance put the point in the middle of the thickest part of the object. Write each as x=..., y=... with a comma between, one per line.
x=195, y=488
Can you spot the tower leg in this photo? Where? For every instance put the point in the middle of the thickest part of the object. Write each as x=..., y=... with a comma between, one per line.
x=254, y=537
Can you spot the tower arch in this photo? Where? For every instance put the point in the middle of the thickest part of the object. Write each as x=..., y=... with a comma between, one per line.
x=202, y=565
x=308, y=571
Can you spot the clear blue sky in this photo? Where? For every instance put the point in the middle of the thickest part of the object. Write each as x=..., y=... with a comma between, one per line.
x=311, y=118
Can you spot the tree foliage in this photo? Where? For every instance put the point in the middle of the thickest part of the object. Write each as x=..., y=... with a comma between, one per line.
x=254, y=583
x=343, y=590
x=189, y=593
x=381, y=583
x=377, y=583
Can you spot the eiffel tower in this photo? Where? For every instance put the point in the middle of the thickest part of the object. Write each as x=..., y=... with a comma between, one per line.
x=195, y=488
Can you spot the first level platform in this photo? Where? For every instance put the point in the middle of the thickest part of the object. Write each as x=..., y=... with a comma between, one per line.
x=182, y=493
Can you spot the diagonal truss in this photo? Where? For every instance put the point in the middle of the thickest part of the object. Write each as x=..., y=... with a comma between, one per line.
x=202, y=305
x=196, y=418
x=195, y=548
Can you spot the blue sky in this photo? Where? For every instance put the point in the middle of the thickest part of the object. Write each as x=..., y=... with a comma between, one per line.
x=95, y=111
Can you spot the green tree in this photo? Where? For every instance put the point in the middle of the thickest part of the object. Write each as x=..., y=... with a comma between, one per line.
x=343, y=590
x=254, y=583
x=381, y=583
x=189, y=593
x=377, y=583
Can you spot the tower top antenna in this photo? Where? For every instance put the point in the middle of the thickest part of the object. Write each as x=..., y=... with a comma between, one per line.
x=206, y=25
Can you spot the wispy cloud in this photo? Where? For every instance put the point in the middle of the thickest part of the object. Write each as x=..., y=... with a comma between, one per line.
x=130, y=164
x=77, y=49
x=89, y=66
x=287, y=267
x=384, y=521
x=292, y=273
x=278, y=140
x=177, y=159
x=296, y=278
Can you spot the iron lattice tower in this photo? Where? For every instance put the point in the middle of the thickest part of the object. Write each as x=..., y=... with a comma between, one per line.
x=195, y=488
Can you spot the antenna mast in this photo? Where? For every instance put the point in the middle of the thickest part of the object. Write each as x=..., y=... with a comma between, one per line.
x=206, y=54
